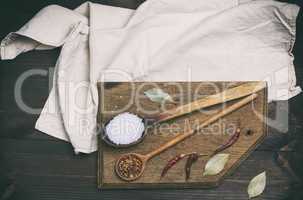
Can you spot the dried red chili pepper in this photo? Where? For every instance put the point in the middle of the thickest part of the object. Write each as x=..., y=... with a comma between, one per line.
x=230, y=142
x=171, y=163
x=192, y=158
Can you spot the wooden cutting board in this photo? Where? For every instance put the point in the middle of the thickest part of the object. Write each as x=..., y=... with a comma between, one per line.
x=122, y=97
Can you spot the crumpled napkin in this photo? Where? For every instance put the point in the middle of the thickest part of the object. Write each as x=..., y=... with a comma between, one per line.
x=163, y=40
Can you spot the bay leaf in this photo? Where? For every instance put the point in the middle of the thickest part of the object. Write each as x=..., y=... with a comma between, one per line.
x=215, y=164
x=257, y=185
x=158, y=95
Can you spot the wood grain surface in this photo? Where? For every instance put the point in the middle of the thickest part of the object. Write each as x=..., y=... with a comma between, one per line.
x=36, y=166
x=131, y=98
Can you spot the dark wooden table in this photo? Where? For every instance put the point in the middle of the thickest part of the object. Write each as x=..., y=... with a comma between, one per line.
x=36, y=166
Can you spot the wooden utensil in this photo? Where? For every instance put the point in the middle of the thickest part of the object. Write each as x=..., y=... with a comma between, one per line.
x=211, y=100
x=130, y=167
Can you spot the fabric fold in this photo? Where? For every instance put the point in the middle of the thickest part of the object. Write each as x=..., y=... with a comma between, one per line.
x=163, y=40
x=42, y=32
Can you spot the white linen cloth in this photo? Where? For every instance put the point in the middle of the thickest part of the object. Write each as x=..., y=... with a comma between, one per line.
x=163, y=40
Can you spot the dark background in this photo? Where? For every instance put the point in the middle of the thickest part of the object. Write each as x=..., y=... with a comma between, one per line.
x=36, y=166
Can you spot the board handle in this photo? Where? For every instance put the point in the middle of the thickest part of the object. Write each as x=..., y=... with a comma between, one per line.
x=212, y=119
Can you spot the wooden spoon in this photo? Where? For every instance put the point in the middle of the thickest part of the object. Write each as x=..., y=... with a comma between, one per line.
x=130, y=167
x=237, y=92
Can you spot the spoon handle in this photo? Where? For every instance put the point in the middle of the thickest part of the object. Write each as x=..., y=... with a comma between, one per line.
x=212, y=119
x=225, y=96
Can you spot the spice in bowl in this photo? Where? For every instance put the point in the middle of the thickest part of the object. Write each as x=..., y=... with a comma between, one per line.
x=124, y=129
x=129, y=166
